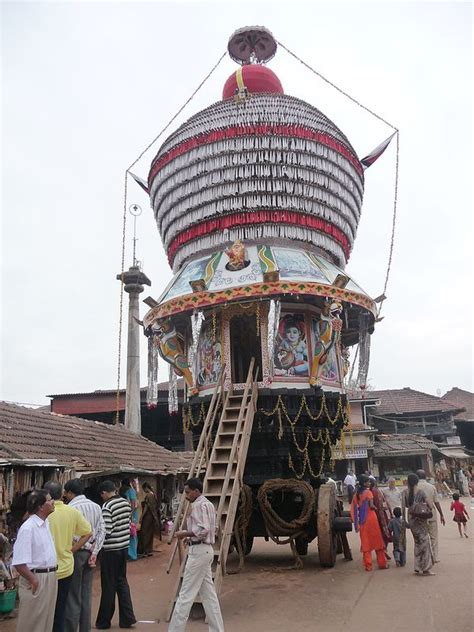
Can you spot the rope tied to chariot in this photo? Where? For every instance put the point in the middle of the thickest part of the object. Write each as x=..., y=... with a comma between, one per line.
x=275, y=525
x=241, y=524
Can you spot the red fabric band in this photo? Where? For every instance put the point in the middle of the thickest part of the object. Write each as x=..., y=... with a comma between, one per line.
x=258, y=217
x=295, y=131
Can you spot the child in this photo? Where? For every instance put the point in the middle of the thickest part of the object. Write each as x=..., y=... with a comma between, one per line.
x=460, y=514
x=398, y=531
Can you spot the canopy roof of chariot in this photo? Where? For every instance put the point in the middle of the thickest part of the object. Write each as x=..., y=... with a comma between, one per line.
x=267, y=272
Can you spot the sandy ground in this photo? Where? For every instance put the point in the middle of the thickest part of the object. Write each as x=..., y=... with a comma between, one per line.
x=265, y=597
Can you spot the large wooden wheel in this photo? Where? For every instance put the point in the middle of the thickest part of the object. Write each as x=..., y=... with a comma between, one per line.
x=327, y=540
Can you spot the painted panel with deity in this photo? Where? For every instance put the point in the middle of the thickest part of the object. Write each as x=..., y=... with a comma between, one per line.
x=181, y=284
x=291, y=347
x=208, y=356
x=297, y=266
x=329, y=371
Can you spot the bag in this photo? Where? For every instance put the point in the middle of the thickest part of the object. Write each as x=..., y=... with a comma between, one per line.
x=133, y=529
x=420, y=510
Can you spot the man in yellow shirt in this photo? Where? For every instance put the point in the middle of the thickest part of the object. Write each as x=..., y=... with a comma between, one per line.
x=67, y=524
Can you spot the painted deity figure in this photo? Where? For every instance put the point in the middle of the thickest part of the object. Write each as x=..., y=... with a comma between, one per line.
x=236, y=254
x=327, y=333
x=291, y=353
x=172, y=352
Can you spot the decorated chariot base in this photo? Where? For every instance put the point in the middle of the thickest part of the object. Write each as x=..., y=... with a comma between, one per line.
x=257, y=199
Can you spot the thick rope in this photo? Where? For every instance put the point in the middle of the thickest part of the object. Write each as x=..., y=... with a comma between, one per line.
x=241, y=524
x=125, y=202
x=275, y=525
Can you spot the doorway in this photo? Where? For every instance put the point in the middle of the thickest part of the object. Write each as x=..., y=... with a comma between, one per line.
x=244, y=345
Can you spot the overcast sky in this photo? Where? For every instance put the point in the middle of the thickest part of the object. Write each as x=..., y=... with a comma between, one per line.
x=86, y=86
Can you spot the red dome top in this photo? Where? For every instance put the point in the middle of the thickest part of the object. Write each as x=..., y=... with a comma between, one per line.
x=255, y=78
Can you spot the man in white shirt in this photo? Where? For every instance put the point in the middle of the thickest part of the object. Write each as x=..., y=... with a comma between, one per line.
x=392, y=495
x=34, y=557
x=197, y=578
x=350, y=483
x=79, y=600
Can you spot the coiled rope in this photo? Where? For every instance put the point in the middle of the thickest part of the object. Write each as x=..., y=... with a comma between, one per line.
x=275, y=525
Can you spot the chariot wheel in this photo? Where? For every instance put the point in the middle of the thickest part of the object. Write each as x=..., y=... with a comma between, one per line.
x=327, y=539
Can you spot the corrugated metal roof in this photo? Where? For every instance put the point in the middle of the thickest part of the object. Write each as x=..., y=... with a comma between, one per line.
x=401, y=444
x=84, y=444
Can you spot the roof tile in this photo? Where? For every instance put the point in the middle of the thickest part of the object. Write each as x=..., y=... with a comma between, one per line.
x=461, y=399
x=31, y=434
x=406, y=400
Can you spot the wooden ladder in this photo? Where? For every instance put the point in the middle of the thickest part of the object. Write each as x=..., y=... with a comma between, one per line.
x=224, y=474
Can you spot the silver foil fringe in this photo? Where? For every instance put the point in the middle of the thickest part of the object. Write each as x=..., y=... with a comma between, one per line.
x=172, y=392
x=364, y=350
x=153, y=362
x=273, y=322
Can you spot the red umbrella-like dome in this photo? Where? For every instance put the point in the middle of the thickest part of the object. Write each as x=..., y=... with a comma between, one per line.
x=255, y=78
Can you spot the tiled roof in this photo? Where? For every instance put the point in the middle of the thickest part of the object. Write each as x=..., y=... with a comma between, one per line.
x=88, y=445
x=400, y=444
x=405, y=401
x=461, y=399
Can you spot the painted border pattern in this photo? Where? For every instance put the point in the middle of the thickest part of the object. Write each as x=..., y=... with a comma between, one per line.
x=201, y=300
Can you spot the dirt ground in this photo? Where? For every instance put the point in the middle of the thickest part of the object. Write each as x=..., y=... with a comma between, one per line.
x=265, y=597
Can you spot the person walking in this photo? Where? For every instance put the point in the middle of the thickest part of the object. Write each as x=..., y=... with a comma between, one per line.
x=197, y=578
x=79, y=601
x=66, y=525
x=381, y=512
x=433, y=503
x=34, y=557
x=149, y=521
x=366, y=524
x=393, y=496
x=116, y=512
x=414, y=504
x=460, y=514
x=350, y=483
x=397, y=529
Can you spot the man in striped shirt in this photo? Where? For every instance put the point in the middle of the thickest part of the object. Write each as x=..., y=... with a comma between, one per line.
x=113, y=565
x=197, y=579
x=79, y=601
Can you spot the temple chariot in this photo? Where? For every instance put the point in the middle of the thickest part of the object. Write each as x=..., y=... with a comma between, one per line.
x=257, y=199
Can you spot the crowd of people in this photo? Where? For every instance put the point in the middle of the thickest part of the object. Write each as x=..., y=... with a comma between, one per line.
x=57, y=546
x=56, y=550
x=383, y=517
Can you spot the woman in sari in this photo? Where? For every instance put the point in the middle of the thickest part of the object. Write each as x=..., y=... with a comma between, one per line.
x=149, y=522
x=381, y=512
x=424, y=559
x=366, y=524
x=127, y=492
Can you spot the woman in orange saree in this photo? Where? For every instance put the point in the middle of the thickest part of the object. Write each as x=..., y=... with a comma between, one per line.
x=366, y=524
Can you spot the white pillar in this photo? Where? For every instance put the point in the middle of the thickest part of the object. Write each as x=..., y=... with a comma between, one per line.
x=133, y=280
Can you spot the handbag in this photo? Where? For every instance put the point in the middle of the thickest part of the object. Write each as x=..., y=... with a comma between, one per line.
x=420, y=510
